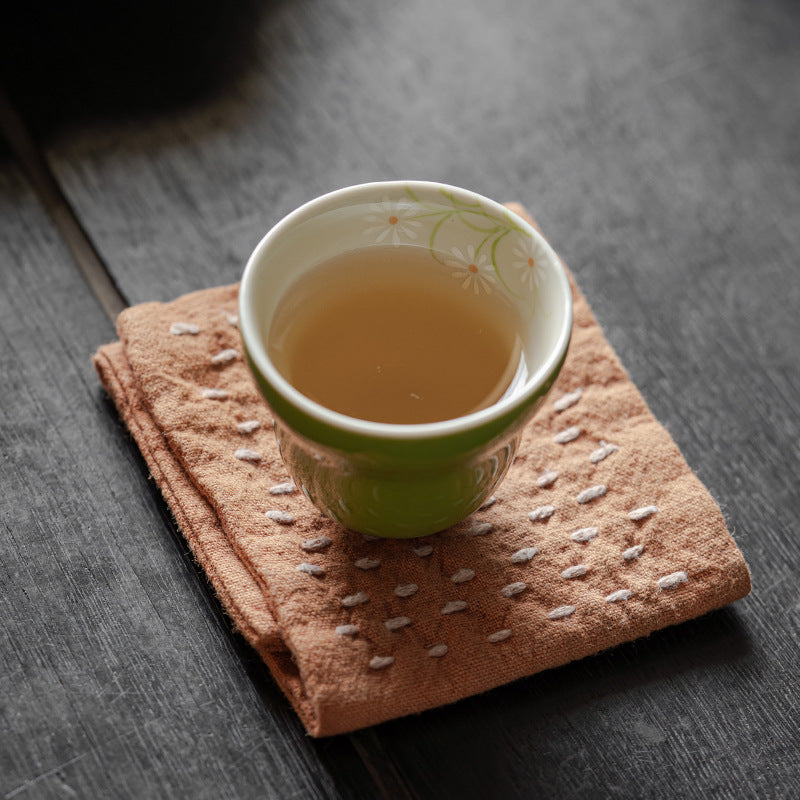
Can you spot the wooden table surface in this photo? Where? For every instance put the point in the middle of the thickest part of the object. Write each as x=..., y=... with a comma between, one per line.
x=147, y=150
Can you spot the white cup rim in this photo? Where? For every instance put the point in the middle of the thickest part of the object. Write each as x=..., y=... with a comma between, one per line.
x=255, y=345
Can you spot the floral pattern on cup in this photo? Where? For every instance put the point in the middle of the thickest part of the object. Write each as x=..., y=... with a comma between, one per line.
x=478, y=260
x=529, y=261
x=392, y=222
x=472, y=270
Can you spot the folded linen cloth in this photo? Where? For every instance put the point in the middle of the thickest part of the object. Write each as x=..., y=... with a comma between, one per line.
x=599, y=534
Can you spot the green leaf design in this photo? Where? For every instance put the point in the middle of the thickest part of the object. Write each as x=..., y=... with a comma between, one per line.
x=494, y=262
x=435, y=230
x=474, y=217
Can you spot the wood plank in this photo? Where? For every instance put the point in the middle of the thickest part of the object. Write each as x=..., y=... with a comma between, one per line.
x=119, y=674
x=37, y=169
x=656, y=146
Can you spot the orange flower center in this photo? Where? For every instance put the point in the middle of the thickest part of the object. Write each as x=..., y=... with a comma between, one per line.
x=530, y=262
x=472, y=268
x=393, y=220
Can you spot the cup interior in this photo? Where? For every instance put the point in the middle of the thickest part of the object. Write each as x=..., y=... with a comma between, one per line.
x=486, y=247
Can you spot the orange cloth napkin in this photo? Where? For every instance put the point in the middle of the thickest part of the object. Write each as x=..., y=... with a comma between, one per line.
x=599, y=534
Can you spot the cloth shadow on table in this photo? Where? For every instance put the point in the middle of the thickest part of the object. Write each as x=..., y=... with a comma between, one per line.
x=715, y=640
x=574, y=702
x=68, y=64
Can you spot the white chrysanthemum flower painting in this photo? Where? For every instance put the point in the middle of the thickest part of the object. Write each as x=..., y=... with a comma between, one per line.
x=391, y=222
x=473, y=271
x=529, y=259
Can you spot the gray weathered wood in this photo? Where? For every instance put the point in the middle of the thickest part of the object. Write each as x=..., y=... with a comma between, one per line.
x=657, y=145
x=33, y=162
x=119, y=674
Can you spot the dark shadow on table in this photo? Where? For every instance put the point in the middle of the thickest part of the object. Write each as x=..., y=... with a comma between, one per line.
x=472, y=742
x=64, y=64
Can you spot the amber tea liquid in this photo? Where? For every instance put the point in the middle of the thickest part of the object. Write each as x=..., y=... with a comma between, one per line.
x=389, y=334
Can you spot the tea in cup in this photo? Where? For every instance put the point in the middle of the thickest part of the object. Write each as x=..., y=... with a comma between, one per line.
x=402, y=334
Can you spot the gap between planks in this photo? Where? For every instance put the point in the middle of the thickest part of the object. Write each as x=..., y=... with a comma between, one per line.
x=37, y=169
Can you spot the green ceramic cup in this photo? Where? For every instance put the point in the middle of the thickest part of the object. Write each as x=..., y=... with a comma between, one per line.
x=396, y=480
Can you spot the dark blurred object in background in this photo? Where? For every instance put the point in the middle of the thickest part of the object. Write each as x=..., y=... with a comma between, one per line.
x=63, y=63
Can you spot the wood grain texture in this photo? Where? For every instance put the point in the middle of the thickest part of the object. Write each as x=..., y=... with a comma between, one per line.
x=20, y=141
x=119, y=675
x=657, y=145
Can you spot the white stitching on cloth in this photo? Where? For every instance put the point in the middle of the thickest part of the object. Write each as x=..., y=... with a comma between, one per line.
x=568, y=400
x=620, y=594
x=584, y=534
x=672, y=580
x=453, y=606
x=463, y=575
x=315, y=545
x=561, y=612
x=356, y=599
x=498, y=636
x=381, y=662
x=567, y=435
x=604, y=451
x=281, y=517
x=513, y=588
x=574, y=572
x=214, y=394
x=642, y=513
x=547, y=478
x=406, y=589
x=367, y=563
x=346, y=630
x=438, y=650
x=224, y=356
x=243, y=454
x=633, y=552
x=478, y=529
x=183, y=328
x=524, y=555
x=287, y=487
x=423, y=550
x=310, y=569
x=543, y=512
x=395, y=623
x=592, y=493
x=248, y=426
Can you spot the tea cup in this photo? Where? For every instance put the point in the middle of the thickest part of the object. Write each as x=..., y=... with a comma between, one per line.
x=407, y=480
